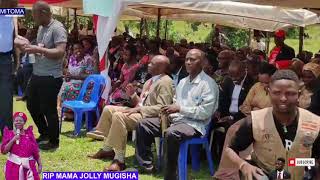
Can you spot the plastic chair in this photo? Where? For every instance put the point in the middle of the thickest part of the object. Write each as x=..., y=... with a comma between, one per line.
x=20, y=92
x=79, y=107
x=195, y=151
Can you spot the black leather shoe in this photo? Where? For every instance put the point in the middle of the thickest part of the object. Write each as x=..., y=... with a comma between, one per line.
x=48, y=146
x=42, y=139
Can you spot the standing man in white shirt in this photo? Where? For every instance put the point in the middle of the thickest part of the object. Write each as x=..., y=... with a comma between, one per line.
x=7, y=29
x=196, y=100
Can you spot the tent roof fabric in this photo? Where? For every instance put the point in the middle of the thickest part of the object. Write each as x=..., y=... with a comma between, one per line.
x=223, y=12
x=229, y=13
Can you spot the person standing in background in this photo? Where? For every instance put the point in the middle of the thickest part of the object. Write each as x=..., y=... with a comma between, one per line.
x=281, y=55
x=7, y=34
x=47, y=75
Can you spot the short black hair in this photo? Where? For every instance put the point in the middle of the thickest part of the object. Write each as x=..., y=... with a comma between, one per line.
x=212, y=59
x=281, y=159
x=266, y=68
x=237, y=63
x=284, y=74
x=132, y=49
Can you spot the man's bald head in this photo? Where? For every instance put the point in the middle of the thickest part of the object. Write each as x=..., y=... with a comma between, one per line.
x=42, y=6
x=194, y=60
x=158, y=65
x=41, y=12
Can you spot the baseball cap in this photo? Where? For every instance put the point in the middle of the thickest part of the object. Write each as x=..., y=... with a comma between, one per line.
x=280, y=33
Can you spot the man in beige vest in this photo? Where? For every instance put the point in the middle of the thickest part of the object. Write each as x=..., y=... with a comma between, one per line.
x=115, y=122
x=284, y=130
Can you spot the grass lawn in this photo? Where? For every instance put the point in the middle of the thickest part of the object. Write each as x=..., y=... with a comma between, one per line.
x=72, y=154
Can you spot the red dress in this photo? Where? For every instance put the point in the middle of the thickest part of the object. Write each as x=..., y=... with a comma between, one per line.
x=26, y=148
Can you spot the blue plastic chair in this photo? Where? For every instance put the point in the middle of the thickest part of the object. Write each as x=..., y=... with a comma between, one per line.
x=20, y=92
x=195, y=151
x=79, y=107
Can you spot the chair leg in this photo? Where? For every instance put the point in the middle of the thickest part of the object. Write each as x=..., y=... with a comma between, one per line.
x=195, y=158
x=98, y=114
x=160, y=149
x=211, y=139
x=60, y=120
x=209, y=158
x=182, y=161
x=77, y=122
x=89, y=120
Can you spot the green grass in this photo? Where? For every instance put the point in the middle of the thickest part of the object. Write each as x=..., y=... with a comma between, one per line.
x=72, y=154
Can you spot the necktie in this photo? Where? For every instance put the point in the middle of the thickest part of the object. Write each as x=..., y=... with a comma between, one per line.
x=279, y=175
x=146, y=91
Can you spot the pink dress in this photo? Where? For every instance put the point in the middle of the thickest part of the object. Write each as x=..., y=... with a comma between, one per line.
x=128, y=74
x=27, y=147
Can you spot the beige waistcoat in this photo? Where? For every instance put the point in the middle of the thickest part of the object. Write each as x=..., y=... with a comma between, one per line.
x=267, y=146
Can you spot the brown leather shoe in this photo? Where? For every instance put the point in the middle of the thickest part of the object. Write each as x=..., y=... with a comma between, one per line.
x=116, y=165
x=101, y=154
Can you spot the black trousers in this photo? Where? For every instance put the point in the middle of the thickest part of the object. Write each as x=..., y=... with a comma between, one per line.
x=148, y=129
x=23, y=76
x=6, y=91
x=42, y=105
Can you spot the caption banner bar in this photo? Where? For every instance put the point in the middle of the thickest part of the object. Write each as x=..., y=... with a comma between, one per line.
x=90, y=175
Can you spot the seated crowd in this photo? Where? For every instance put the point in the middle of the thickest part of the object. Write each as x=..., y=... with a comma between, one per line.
x=189, y=84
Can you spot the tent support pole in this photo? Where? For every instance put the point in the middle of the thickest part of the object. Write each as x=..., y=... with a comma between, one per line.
x=75, y=19
x=75, y=25
x=166, y=30
x=158, y=23
x=249, y=37
x=141, y=27
x=68, y=19
x=268, y=44
x=301, y=34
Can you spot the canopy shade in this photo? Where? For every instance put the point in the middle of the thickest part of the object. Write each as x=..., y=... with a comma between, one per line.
x=237, y=14
x=61, y=3
x=282, y=3
x=34, y=1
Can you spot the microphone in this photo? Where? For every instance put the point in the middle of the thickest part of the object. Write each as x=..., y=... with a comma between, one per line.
x=18, y=133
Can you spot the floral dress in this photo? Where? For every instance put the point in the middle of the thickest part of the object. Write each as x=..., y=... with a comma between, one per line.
x=26, y=148
x=71, y=89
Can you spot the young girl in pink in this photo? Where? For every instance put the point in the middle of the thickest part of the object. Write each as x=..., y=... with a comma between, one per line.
x=23, y=151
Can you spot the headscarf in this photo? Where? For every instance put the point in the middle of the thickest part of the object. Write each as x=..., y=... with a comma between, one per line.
x=21, y=115
x=313, y=67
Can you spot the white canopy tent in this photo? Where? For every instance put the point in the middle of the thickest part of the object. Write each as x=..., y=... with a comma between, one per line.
x=228, y=13
x=234, y=14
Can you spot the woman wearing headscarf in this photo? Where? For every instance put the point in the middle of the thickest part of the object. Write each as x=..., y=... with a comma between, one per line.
x=310, y=93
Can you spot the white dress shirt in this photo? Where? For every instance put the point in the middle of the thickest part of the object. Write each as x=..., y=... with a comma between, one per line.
x=175, y=77
x=234, y=107
x=198, y=100
x=281, y=174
